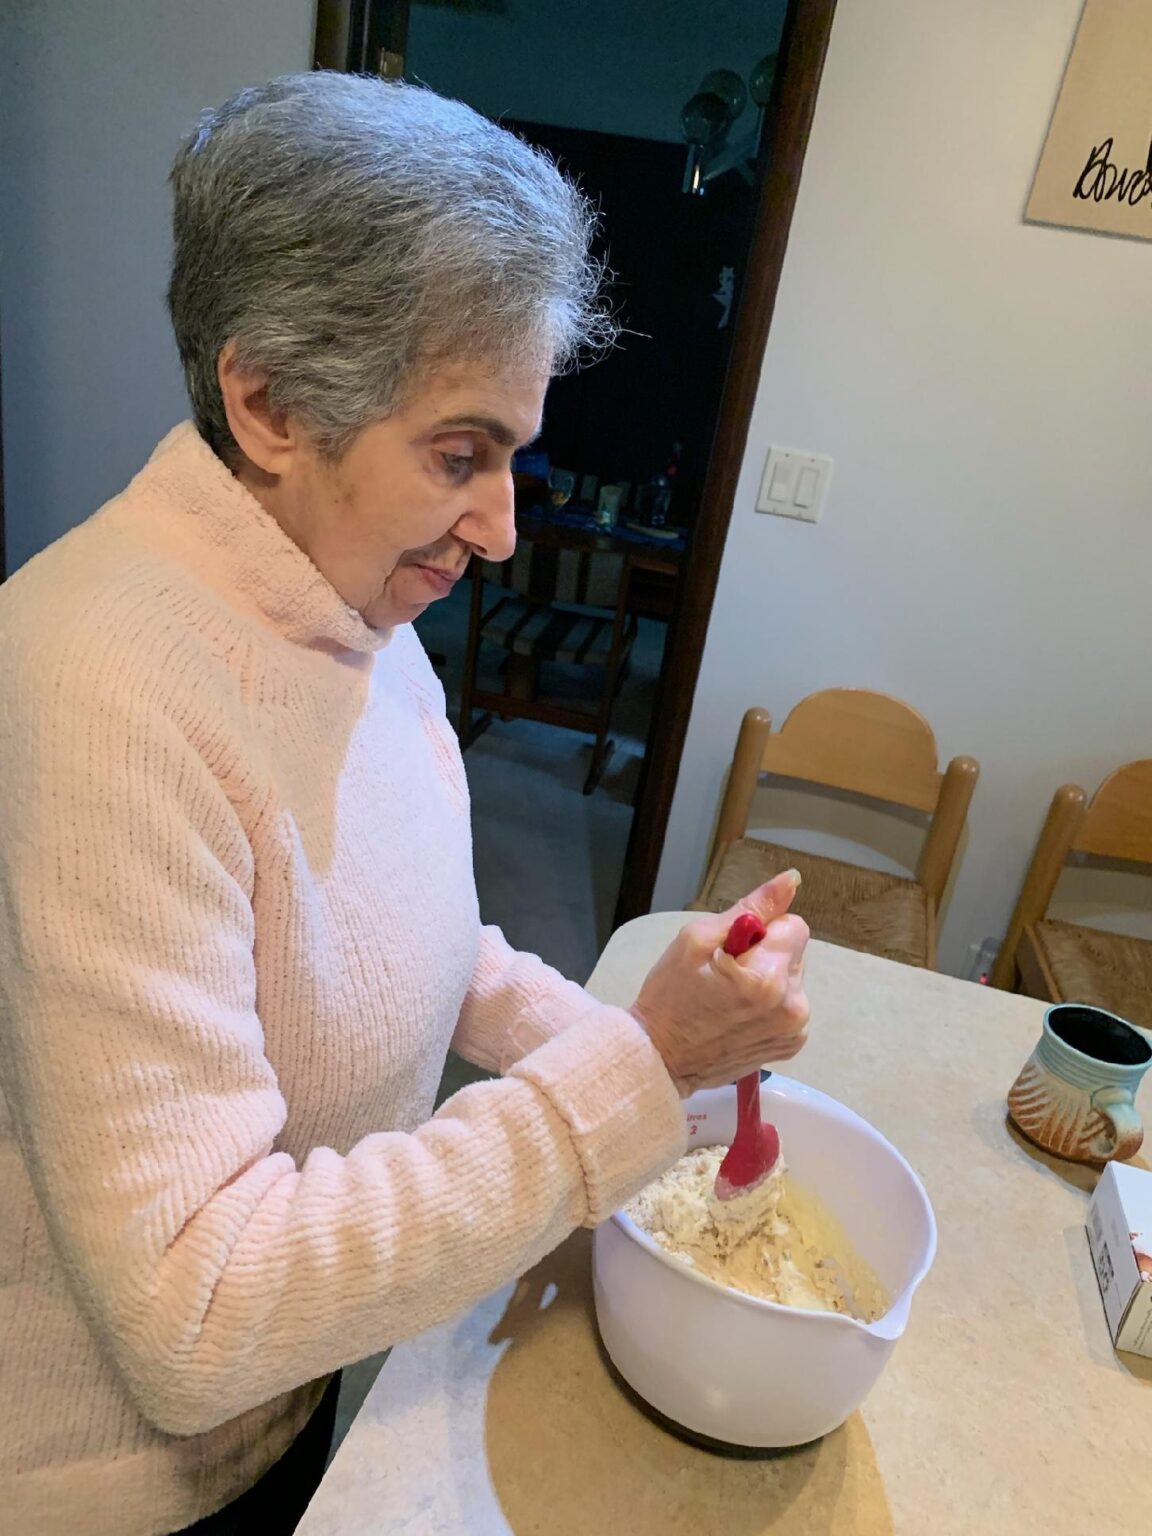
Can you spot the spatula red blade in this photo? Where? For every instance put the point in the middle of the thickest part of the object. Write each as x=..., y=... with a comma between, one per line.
x=755, y=1148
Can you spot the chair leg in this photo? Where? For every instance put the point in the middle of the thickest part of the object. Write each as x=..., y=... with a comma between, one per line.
x=618, y=668
x=464, y=729
x=601, y=754
x=1034, y=976
x=623, y=674
x=520, y=679
x=1065, y=815
x=471, y=658
x=475, y=729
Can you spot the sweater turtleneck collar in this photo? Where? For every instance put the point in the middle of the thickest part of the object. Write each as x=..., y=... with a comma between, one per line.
x=250, y=552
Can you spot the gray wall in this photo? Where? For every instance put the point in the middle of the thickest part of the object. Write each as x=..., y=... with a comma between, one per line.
x=94, y=97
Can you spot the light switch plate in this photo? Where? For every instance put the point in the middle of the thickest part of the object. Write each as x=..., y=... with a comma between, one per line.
x=795, y=484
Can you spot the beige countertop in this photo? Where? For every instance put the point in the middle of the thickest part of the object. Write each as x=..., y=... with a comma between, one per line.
x=1004, y=1408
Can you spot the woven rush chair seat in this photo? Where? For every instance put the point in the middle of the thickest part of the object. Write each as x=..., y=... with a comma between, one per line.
x=1065, y=962
x=544, y=633
x=863, y=909
x=1087, y=965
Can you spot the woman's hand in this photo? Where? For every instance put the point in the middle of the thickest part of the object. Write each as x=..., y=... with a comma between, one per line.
x=714, y=1018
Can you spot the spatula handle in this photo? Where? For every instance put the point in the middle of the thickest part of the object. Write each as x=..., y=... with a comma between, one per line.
x=745, y=932
x=748, y=1097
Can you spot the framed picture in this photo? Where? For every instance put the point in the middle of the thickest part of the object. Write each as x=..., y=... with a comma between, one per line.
x=1095, y=170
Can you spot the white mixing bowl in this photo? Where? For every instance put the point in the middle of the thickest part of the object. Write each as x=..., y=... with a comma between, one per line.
x=745, y=1371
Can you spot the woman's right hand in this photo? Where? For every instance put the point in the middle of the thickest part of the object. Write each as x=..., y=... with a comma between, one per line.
x=714, y=1018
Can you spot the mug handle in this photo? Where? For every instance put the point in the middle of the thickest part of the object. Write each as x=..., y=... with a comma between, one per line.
x=1116, y=1105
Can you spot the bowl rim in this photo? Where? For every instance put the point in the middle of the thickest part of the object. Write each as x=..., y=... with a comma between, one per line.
x=792, y=1089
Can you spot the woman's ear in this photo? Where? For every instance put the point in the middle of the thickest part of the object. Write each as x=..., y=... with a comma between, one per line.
x=269, y=439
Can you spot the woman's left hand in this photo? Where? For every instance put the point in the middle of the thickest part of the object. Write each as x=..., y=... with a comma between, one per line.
x=714, y=1018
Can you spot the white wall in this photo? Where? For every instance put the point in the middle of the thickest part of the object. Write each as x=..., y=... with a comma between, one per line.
x=615, y=66
x=984, y=386
x=94, y=99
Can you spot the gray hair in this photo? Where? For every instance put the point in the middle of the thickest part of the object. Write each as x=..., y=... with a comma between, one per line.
x=349, y=234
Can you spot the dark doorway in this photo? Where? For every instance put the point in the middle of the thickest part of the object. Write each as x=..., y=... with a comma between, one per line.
x=696, y=277
x=676, y=262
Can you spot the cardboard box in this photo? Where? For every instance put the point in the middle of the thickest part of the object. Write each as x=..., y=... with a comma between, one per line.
x=1120, y=1237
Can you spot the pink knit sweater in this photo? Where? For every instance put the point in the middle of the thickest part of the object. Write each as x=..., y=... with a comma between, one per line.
x=238, y=931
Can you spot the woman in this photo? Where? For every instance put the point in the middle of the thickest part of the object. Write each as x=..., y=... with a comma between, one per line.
x=239, y=926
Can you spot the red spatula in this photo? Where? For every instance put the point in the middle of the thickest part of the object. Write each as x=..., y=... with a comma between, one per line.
x=756, y=1146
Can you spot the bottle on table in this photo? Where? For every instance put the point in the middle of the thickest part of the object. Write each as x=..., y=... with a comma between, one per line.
x=658, y=492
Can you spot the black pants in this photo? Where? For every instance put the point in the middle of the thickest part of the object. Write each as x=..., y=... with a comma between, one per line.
x=275, y=1505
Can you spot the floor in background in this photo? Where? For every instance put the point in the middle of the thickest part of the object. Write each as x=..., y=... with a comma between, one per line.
x=355, y=1384
x=548, y=857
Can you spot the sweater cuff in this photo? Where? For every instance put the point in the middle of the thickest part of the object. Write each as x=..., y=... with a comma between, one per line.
x=607, y=1081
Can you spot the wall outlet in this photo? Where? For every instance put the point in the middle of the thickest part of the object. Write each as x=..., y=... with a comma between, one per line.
x=981, y=959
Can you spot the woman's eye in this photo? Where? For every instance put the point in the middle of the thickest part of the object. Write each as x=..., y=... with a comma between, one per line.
x=458, y=465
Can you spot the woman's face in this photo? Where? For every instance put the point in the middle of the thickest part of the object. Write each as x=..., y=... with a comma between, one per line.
x=394, y=521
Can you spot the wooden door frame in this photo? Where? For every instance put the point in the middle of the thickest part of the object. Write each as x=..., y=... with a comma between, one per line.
x=3, y=518
x=350, y=34
x=789, y=121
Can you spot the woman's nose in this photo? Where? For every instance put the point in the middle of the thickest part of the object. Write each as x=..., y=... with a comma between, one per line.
x=491, y=522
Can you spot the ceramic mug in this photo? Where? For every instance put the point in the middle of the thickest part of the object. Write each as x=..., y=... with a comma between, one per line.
x=1075, y=1095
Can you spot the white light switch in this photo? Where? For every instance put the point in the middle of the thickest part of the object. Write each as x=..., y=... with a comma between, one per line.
x=794, y=484
x=781, y=487
x=806, y=484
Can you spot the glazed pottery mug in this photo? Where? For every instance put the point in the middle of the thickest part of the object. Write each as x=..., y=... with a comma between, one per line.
x=1075, y=1095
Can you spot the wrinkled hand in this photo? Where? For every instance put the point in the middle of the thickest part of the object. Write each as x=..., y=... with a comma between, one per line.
x=714, y=1018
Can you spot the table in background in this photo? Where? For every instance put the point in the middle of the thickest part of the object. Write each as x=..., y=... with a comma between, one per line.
x=653, y=564
x=1004, y=1410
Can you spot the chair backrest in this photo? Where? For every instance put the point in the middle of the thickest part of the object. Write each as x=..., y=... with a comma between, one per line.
x=1118, y=822
x=866, y=743
x=549, y=571
x=1115, y=824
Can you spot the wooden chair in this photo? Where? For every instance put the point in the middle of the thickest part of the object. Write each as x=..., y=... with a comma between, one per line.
x=554, y=603
x=872, y=746
x=1067, y=962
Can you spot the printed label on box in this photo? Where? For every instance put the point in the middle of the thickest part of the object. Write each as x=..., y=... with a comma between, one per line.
x=1120, y=1240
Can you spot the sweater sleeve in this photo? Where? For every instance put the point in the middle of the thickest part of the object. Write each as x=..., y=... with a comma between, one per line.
x=515, y=1003
x=216, y=1272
